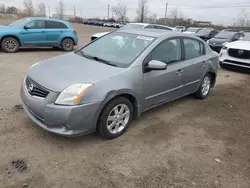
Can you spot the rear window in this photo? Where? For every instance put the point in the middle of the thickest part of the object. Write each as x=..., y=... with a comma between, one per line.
x=55, y=25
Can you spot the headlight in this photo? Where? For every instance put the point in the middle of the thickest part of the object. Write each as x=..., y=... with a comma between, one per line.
x=34, y=64
x=225, y=43
x=224, y=48
x=72, y=94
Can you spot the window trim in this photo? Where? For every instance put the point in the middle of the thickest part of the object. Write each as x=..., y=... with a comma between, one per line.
x=149, y=58
x=190, y=38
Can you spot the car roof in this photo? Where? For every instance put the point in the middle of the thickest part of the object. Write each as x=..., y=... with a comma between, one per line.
x=144, y=24
x=156, y=33
x=47, y=19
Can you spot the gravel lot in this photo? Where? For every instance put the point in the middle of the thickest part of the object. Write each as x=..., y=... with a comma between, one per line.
x=186, y=143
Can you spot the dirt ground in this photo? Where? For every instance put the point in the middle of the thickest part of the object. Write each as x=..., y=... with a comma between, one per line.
x=187, y=143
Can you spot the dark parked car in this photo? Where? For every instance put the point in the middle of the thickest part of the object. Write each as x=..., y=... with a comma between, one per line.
x=206, y=33
x=223, y=38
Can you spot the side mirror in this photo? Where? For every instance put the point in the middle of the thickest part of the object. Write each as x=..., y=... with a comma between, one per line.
x=26, y=27
x=156, y=65
x=241, y=38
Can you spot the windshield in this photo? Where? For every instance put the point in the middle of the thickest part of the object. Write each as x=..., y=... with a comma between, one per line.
x=192, y=29
x=133, y=25
x=20, y=22
x=117, y=49
x=225, y=35
x=204, y=31
x=247, y=37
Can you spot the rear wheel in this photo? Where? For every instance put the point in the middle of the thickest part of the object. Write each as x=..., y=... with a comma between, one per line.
x=67, y=44
x=10, y=45
x=115, y=118
x=205, y=87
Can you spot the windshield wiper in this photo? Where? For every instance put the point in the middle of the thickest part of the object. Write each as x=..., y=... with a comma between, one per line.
x=97, y=59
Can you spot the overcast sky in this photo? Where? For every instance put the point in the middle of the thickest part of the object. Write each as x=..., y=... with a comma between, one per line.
x=195, y=9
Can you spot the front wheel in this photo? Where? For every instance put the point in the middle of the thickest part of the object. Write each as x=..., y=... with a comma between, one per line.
x=205, y=88
x=115, y=118
x=10, y=45
x=67, y=44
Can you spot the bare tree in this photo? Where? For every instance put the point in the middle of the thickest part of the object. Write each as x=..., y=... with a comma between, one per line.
x=2, y=8
x=242, y=20
x=60, y=9
x=11, y=10
x=176, y=14
x=142, y=11
x=28, y=8
x=120, y=11
x=41, y=10
x=152, y=18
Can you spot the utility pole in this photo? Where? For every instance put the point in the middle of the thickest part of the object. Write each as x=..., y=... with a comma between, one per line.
x=49, y=10
x=108, y=12
x=81, y=13
x=74, y=12
x=166, y=10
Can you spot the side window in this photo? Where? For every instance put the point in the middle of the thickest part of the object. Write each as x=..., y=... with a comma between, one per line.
x=150, y=27
x=236, y=36
x=168, y=51
x=192, y=48
x=55, y=25
x=36, y=24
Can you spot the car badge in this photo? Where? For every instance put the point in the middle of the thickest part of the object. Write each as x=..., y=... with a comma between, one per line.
x=240, y=52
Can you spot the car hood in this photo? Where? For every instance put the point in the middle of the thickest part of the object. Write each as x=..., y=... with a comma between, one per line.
x=62, y=71
x=189, y=32
x=201, y=35
x=100, y=34
x=243, y=45
x=218, y=41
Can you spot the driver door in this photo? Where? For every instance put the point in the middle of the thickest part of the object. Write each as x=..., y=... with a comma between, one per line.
x=34, y=33
x=164, y=85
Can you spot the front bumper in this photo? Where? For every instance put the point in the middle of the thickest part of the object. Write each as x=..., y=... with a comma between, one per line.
x=232, y=62
x=59, y=119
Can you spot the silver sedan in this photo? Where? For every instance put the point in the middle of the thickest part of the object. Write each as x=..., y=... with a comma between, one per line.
x=109, y=82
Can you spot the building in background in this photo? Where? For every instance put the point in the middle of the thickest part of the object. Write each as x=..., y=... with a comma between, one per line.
x=64, y=17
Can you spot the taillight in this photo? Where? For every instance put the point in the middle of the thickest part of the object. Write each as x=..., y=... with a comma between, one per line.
x=75, y=32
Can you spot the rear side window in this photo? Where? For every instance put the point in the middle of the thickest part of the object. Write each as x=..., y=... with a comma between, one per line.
x=36, y=24
x=168, y=51
x=55, y=25
x=193, y=48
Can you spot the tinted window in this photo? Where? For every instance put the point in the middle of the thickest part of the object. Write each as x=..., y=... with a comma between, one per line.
x=55, y=25
x=160, y=27
x=150, y=27
x=204, y=31
x=192, y=48
x=225, y=35
x=167, y=51
x=36, y=24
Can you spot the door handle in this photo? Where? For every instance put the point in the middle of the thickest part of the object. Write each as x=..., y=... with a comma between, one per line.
x=179, y=72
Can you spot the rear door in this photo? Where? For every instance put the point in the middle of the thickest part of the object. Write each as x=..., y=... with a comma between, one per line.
x=195, y=64
x=34, y=34
x=53, y=32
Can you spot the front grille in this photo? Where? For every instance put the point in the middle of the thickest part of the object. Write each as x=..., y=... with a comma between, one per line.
x=242, y=54
x=34, y=89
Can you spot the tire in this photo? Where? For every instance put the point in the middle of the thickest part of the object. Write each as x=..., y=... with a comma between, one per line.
x=10, y=45
x=205, y=88
x=67, y=44
x=119, y=119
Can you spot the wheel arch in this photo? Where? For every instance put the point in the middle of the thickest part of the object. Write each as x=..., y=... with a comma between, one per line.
x=114, y=95
x=67, y=37
x=12, y=36
x=213, y=77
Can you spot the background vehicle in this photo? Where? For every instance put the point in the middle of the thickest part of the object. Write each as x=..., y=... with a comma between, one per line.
x=236, y=54
x=206, y=33
x=222, y=38
x=180, y=28
x=38, y=32
x=192, y=30
x=109, y=82
x=135, y=25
